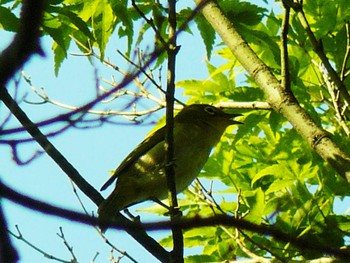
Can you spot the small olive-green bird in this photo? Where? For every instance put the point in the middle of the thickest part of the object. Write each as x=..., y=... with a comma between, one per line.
x=141, y=176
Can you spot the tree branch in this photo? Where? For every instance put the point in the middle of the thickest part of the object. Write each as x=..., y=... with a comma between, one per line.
x=183, y=224
x=26, y=41
x=280, y=100
x=7, y=251
x=19, y=236
x=175, y=214
x=24, y=44
x=318, y=48
x=50, y=149
x=284, y=49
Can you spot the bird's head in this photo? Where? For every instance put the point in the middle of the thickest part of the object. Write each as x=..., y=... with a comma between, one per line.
x=206, y=114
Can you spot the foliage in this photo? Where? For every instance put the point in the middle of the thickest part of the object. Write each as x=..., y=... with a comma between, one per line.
x=266, y=171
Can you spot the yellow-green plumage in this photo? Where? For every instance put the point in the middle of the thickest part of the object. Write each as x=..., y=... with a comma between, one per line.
x=141, y=176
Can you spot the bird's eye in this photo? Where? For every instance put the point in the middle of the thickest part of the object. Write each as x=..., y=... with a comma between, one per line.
x=210, y=110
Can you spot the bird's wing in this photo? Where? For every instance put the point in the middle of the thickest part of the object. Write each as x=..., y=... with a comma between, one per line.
x=141, y=149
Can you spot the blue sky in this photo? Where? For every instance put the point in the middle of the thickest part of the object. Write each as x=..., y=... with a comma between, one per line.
x=92, y=151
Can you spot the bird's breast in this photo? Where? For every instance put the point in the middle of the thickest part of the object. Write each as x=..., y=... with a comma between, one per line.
x=192, y=146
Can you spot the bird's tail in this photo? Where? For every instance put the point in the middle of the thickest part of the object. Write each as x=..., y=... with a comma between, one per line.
x=105, y=216
x=108, y=209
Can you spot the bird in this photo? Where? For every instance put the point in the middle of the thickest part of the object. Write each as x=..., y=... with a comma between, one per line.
x=141, y=175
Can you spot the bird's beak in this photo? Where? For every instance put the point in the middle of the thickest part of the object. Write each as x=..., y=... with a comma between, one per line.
x=232, y=116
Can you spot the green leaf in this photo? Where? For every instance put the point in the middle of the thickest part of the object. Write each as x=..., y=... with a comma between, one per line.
x=59, y=55
x=100, y=14
x=218, y=76
x=207, y=33
x=268, y=134
x=242, y=12
x=166, y=242
x=61, y=44
x=256, y=203
x=195, y=237
x=58, y=36
x=8, y=21
x=78, y=22
x=200, y=258
x=339, y=221
x=120, y=8
x=105, y=28
x=279, y=185
x=275, y=120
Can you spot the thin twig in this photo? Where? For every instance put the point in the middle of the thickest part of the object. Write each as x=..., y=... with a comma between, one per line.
x=95, y=257
x=101, y=234
x=175, y=214
x=150, y=22
x=284, y=49
x=19, y=236
x=249, y=253
x=47, y=99
x=335, y=98
x=344, y=72
x=136, y=80
x=66, y=244
x=211, y=201
x=183, y=223
x=318, y=48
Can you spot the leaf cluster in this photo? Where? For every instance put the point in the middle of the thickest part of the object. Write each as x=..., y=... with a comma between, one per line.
x=263, y=171
x=270, y=174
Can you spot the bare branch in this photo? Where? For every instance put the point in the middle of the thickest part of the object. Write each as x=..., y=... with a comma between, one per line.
x=8, y=253
x=101, y=234
x=183, y=223
x=136, y=232
x=318, y=48
x=150, y=22
x=17, y=159
x=335, y=99
x=26, y=41
x=66, y=244
x=250, y=105
x=344, y=71
x=19, y=236
x=175, y=213
x=284, y=49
